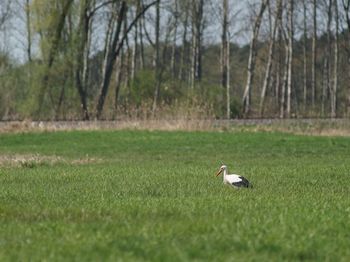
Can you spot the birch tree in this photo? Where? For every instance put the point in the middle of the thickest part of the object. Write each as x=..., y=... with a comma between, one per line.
x=284, y=84
x=252, y=57
x=277, y=23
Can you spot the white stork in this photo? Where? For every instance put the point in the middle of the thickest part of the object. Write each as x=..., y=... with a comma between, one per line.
x=233, y=179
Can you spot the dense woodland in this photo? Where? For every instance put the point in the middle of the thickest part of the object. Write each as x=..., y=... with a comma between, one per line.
x=114, y=59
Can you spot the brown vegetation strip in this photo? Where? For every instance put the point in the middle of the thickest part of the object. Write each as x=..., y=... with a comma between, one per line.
x=322, y=127
x=29, y=160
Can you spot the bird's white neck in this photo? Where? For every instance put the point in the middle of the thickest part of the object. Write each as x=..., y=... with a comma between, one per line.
x=224, y=173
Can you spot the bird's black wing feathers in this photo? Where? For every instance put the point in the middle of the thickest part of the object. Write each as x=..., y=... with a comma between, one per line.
x=243, y=183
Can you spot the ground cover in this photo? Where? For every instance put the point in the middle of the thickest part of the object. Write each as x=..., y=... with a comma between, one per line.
x=151, y=195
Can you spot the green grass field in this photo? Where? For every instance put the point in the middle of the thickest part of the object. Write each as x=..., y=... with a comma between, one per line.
x=140, y=195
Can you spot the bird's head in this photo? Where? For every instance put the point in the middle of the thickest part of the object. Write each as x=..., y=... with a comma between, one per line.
x=222, y=168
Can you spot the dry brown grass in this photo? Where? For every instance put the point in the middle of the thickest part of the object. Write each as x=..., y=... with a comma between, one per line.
x=331, y=132
x=52, y=126
x=33, y=160
x=317, y=127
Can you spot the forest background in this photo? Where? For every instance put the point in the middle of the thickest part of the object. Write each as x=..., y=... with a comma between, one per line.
x=171, y=59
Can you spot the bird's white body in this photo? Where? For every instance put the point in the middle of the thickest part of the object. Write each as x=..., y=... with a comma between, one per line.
x=233, y=179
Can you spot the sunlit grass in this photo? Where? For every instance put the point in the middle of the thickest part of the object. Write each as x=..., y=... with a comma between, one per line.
x=153, y=196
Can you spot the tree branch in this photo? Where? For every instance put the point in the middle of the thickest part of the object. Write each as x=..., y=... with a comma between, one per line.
x=142, y=12
x=92, y=13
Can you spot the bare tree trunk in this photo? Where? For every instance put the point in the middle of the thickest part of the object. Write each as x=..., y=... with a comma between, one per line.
x=193, y=47
x=285, y=79
x=224, y=43
x=252, y=56
x=228, y=86
x=157, y=59
x=29, y=31
x=60, y=99
x=135, y=47
x=225, y=59
x=278, y=66
x=346, y=7
x=119, y=74
x=142, y=48
x=81, y=64
x=305, y=55
x=126, y=66
x=196, y=61
x=277, y=22
x=173, y=48
x=270, y=16
x=107, y=45
x=27, y=8
x=290, y=54
x=199, y=23
x=110, y=60
x=314, y=55
x=134, y=51
x=86, y=55
x=336, y=55
x=184, y=44
x=326, y=84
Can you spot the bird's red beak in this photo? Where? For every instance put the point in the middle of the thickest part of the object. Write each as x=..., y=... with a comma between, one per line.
x=219, y=172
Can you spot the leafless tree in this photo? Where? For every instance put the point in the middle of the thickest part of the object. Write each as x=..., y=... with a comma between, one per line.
x=252, y=57
x=277, y=23
x=284, y=84
x=184, y=39
x=29, y=30
x=314, y=55
x=334, y=88
x=290, y=54
x=196, y=48
x=5, y=12
x=157, y=58
x=114, y=51
x=82, y=53
x=327, y=68
x=346, y=7
x=305, y=41
x=225, y=56
x=175, y=13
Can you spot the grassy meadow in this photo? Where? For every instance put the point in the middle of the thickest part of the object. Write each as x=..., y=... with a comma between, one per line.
x=152, y=195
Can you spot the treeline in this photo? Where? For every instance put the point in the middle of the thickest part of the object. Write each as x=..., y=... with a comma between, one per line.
x=113, y=59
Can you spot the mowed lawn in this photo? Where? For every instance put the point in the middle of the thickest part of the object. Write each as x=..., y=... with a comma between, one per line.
x=142, y=195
